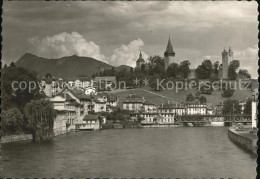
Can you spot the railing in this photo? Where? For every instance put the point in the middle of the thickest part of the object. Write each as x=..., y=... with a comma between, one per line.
x=214, y=118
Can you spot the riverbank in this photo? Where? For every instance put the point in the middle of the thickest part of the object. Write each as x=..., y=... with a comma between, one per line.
x=26, y=137
x=244, y=139
x=120, y=125
x=16, y=138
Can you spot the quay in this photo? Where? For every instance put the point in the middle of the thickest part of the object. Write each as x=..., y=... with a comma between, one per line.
x=244, y=139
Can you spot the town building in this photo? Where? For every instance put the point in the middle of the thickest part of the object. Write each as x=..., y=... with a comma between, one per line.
x=196, y=109
x=69, y=112
x=149, y=107
x=90, y=122
x=133, y=103
x=176, y=109
x=169, y=54
x=219, y=109
x=210, y=109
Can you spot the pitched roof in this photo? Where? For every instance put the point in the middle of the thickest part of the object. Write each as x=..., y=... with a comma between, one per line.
x=147, y=103
x=80, y=94
x=170, y=106
x=169, y=49
x=90, y=118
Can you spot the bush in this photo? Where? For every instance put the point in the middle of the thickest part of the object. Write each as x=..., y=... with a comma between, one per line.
x=12, y=121
x=206, y=89
x=227, y=91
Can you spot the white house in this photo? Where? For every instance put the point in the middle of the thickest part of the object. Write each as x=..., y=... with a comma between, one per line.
x=196, y=109
x=133, y=103
x=90, y=122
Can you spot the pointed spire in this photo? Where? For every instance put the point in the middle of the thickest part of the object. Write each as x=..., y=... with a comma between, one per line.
x=140, y=55
x=169, y=50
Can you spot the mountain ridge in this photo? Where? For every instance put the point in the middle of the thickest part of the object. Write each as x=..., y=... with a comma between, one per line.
x=67, y=66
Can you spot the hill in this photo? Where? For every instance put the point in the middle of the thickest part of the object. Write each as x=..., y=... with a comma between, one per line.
x=173, y=97
x=62, y=67
x=123, y=67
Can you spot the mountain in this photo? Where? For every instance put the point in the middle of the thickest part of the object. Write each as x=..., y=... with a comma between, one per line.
x=71, y=66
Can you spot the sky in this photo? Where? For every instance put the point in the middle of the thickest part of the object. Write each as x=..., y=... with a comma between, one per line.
x=115, y=32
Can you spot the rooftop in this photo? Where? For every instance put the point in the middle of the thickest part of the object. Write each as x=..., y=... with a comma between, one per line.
x=90, y=118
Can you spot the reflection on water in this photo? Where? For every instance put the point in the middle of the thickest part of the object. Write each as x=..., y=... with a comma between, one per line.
x=155, y=152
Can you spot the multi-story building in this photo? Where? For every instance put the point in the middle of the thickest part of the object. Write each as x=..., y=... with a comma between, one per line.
x=69, y=112
x=196, y=109
x=219, y=109
x=133, y=103
x=176, y=109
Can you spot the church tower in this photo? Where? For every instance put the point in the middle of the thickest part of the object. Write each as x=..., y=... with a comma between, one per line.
x=169, y=54
x=227, y=57
x=140, y=60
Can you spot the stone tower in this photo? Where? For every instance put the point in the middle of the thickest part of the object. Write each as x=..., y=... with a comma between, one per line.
x=227, y=57
x=140, y=60
x=169, y=54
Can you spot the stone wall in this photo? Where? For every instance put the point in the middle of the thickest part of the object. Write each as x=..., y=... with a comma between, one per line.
x=16, y=138
x=242, y=141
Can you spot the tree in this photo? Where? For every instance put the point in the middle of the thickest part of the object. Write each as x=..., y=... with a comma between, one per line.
x=140, y=119
x=143, y=68
x=172, y=70
x=232, y=69
x=248, y=107
x=206, y=89
x=184, y=69
x=227, y=91
x=131, y=70
x=153, y=83
x=156, y=66
x=244, y=73
x=40, y=115
x=202, y=100
x=216, y=68
x=231, y=106
x=15, y=87
x=197, y=94
x=48, y=75
x=190, y=98
x=12, y=121
x=204, y=70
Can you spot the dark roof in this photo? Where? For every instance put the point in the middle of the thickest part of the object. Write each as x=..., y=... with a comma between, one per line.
x=147, y=103
x=68, y=97
x=90, y=118
x=171, y=106
x=98, y=101
x=169, y=50
x=80, y=94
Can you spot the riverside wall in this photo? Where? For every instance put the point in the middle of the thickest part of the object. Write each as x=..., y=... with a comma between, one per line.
x=244, y=141
x=16, y=138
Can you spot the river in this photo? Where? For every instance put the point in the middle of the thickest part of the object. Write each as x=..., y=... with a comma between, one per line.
x=151, y=152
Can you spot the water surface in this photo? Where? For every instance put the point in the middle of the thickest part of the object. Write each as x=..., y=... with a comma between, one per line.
x=151, y=152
